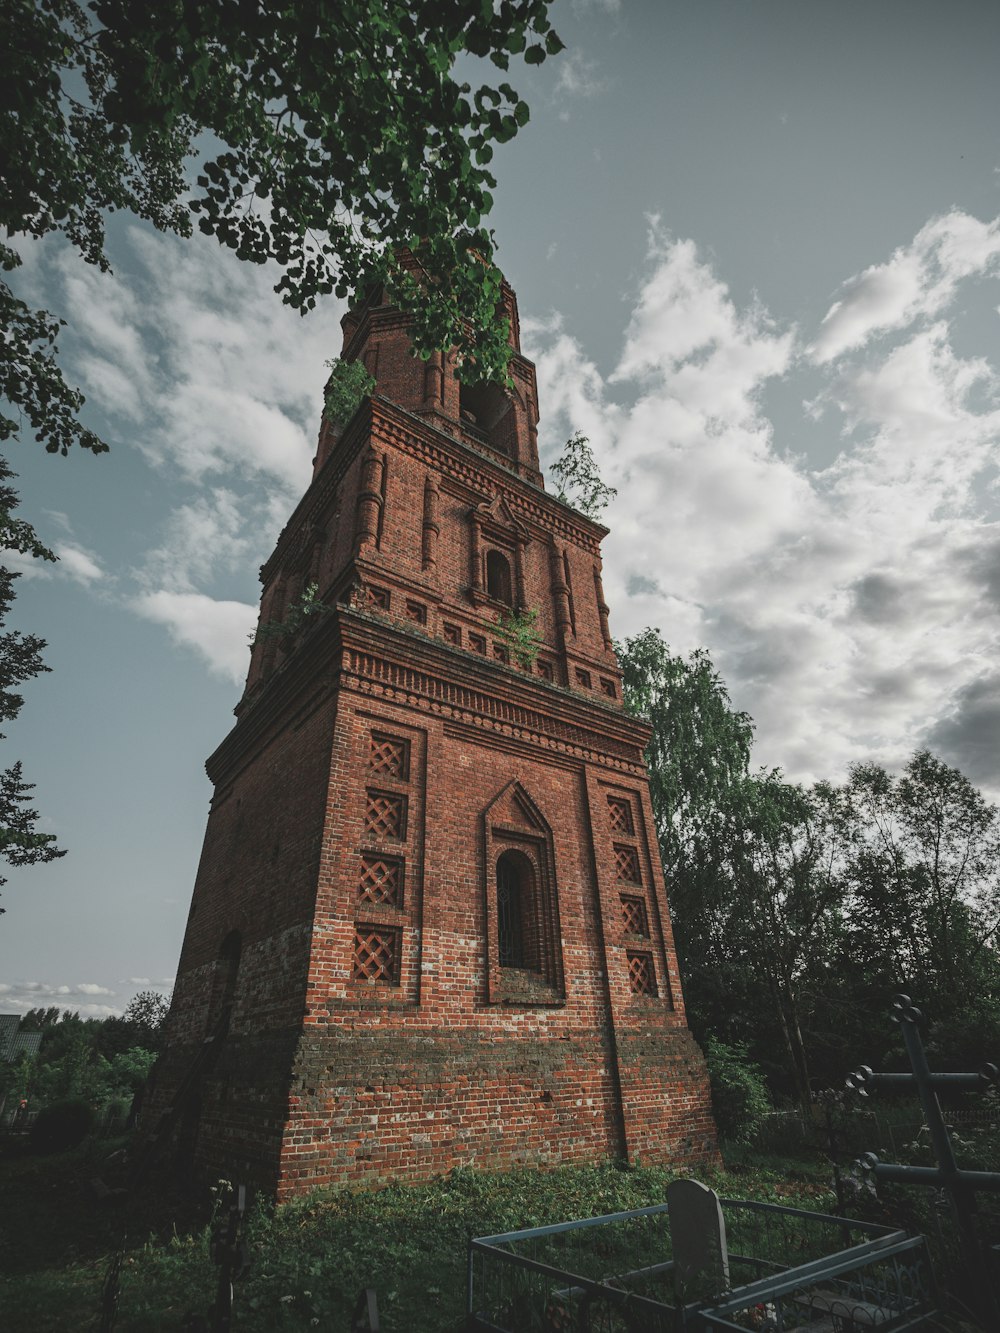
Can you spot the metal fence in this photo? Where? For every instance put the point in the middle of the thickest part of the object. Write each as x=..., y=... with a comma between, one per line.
x=789, y=1268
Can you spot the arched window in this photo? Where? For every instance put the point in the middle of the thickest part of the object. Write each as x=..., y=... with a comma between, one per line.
x=514, y=909
x=224, y=985
x=498, y=582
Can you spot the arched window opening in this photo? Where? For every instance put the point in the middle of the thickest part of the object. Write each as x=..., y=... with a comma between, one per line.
x=487, y=415
x=514, y=906
x=224, y=984
x=498, y=581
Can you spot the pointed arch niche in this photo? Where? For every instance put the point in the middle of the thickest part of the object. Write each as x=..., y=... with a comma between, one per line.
x=524, y=962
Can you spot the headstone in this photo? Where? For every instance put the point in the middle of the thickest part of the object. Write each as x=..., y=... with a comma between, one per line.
x=698, y=1239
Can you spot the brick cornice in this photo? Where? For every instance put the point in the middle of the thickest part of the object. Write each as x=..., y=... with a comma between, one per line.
x=367, y=654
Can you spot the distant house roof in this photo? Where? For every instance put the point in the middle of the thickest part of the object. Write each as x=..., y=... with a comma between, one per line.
x=14, y=1043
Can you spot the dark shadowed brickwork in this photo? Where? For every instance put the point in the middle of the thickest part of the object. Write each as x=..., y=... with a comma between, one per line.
x=429, y=927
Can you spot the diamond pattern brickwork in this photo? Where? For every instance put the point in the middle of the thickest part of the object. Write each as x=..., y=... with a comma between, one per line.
x=634, y=919
x=627, y=864
x=376, y=954
x=641, y=974
x=620, y=812
x=381, y=881
x=389, y=757
x=385, y=815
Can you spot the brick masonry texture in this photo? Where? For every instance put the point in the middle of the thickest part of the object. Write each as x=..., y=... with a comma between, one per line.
x=429, y=927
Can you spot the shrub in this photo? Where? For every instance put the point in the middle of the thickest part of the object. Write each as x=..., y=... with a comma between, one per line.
x=739, y=1093
x=62, y=1125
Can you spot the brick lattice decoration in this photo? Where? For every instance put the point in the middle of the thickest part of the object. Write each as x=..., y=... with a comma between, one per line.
x=385, y=815
x=376, y=954
x=627, y=865
x=376, y=599
x=641, y=975
x=381, y=881
x=389, y=757
x=620, y=811
x=634, y=916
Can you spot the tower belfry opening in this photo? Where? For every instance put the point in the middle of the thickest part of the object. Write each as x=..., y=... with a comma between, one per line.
x=429, y=926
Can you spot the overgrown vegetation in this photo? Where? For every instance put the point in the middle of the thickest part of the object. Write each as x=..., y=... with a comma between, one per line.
x=580, y=483
x=349, y=382
x=307, y=604
x=740, y=1099
x=310, y=1258
x=518, y=630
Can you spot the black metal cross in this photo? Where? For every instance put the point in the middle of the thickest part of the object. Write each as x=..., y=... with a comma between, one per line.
x=960, y=1185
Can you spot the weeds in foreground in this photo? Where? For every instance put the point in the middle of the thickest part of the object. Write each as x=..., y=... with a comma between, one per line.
x=310, y=1258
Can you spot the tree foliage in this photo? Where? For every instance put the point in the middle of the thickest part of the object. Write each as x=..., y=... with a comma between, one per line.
x=330, y=138
x=98, y=1060
x=20, y=659
x=348, y=384
x=799, y=913
x=580, y=483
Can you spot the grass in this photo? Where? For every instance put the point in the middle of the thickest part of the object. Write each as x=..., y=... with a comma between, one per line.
x=308, y=1259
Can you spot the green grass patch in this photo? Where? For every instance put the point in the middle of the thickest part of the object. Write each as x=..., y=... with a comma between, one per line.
x=310, y=1258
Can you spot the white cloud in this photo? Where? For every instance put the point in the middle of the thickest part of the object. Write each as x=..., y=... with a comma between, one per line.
x=196, y=347
x=191, y=339
x=853, y=610
x=80, y=565
x=25, y=995
x=579, y=76
x=919, y=280
x=216, y=630
x=213, y=533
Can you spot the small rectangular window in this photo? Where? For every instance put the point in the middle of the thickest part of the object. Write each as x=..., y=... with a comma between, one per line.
x=381, y=881
x=641, y=973
x=583, y=678
x=376, y=954
x=608, y=687
x=620, y=813
x=389, y=756
x=385, y=815
x=634, y=920
x=627, y=864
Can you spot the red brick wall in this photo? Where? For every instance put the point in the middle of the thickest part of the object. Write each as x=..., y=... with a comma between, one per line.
x=384, y=757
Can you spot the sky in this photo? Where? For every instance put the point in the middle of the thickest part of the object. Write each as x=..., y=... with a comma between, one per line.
x=756, y=247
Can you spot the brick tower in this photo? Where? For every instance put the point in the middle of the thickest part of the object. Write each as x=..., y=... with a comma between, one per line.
x=429, y=927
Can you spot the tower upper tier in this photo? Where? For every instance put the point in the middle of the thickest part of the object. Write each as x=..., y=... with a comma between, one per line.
x=501, y=421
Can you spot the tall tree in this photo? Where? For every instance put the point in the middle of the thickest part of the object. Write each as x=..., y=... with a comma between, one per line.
x=20, y=659
x=784, y=916
x=925, y=881
x=698, y=758
x=330, y=136
x=750, y=862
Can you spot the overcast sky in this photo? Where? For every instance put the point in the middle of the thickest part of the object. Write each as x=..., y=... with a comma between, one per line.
x=756, y=247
